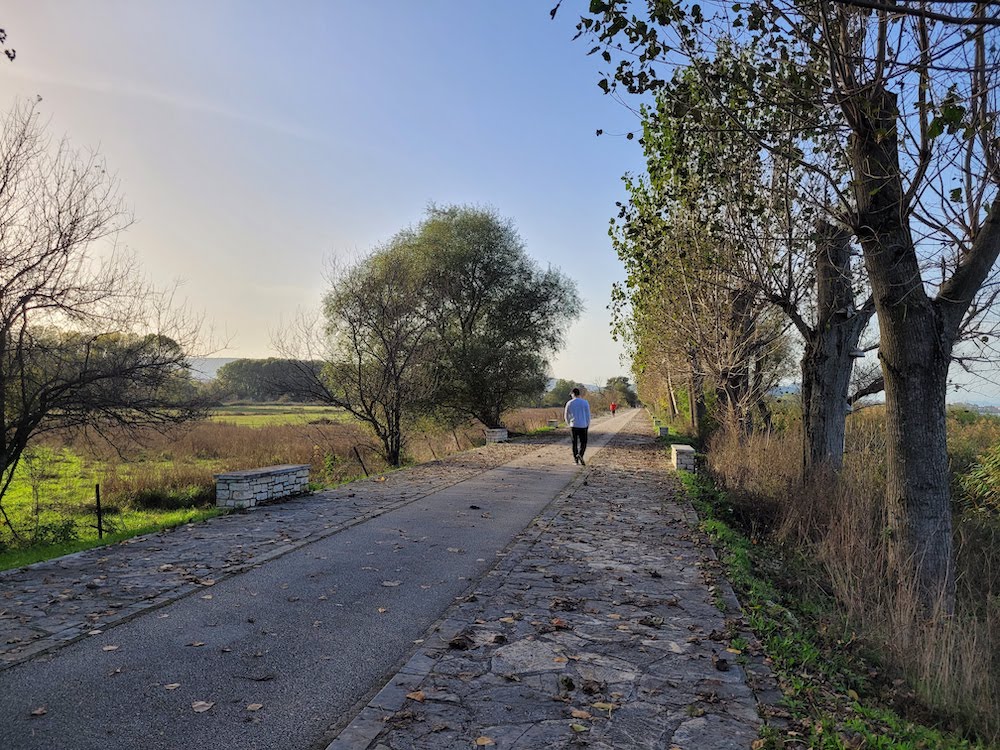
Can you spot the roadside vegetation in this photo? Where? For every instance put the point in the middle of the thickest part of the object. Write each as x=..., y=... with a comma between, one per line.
x=858, y=664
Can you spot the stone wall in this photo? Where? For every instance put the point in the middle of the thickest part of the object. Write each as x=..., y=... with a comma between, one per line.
x=682, y=457
x=245, y=489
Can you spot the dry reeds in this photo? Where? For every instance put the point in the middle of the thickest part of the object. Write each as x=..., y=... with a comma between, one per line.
x=951, y=662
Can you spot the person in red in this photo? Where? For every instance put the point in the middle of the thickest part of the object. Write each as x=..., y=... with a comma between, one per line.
x=614, y=406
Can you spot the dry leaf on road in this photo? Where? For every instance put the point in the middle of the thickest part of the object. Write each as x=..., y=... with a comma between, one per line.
x=109, y=648
x=200, y=707
x=40, y=711
x=255, y=707
x=172, y=686
x=484, y=741
x=417, y=695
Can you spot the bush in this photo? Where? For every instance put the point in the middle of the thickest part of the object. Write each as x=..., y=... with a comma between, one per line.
x=981, y=484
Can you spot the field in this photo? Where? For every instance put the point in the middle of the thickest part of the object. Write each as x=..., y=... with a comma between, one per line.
x=163, y=479
x=264, y=415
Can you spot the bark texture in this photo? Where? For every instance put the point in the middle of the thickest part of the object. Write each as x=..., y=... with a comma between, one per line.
x=827, y=361
x=915, y=351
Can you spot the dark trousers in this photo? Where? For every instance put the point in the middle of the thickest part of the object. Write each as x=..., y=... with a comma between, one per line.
x=579, y=440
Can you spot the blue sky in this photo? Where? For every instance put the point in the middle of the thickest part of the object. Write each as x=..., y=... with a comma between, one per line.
x=255, y=139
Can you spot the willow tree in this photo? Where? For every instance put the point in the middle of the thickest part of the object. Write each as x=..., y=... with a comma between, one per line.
x=378, y=346
x=497, y=316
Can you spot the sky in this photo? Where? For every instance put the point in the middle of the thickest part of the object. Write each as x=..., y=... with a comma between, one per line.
x=254, y=141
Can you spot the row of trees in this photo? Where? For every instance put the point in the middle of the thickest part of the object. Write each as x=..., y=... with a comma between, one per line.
x=450, y=318
x=812, y=166
x=270, y=379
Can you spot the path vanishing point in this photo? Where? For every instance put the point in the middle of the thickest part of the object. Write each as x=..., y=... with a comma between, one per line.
x=504, y=598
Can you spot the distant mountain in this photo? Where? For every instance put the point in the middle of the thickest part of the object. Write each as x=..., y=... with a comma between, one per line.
x=205, y=368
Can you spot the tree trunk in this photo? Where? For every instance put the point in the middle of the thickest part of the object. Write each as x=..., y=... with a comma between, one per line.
x=827, y=361
x=914, y=350
x=671, y=396
x=915, y=367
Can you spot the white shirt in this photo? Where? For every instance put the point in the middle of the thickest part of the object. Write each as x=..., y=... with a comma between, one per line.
x=577, y=412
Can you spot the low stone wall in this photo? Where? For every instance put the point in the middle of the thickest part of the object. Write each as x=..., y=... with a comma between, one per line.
x=682, y=457
x=244, y=489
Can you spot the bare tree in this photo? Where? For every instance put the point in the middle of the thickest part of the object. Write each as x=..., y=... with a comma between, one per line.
x=85, y=342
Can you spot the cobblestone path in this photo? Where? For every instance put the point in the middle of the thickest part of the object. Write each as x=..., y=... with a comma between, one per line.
x=599, y=629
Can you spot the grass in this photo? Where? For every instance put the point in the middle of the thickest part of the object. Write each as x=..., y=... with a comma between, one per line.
x=836, y=696
x=266, y=415
x=130, y=525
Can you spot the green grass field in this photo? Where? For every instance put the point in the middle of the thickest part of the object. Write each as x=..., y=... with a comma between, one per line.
x=52, y=503
x=265, y=415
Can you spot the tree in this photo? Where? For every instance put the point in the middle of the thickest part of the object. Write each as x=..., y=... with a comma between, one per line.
x=908, y=96
x=622, y=390
x=687, y=308
x=268, y=379
x=496, y=315
x=375, y=343
x=8, y=52
x=763, y=204
x=561, y=392
x=84, y=342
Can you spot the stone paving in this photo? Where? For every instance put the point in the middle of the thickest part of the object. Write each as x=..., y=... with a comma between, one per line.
x=603, y=627
x=50, y=604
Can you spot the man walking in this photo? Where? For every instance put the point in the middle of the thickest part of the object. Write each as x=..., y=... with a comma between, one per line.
x=577, y=415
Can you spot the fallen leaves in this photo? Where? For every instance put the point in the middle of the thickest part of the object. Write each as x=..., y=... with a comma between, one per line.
x=172, y=686
x=200, y=707
x=484, y=741
x=40, y=711
x=255, y=706
x=109, y=648
x=417, y=695
x=391, y=584
x=195, y=644
x=579, y=713
x=602, y=706
x=461, y=642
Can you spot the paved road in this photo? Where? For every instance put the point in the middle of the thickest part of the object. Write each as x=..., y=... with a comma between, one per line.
x=309, y=636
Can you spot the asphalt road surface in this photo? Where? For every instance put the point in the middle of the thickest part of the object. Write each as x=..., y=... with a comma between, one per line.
x=287, y=652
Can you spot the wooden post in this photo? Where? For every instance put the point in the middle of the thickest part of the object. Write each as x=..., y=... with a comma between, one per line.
x=361, y=461
x=100, y=519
